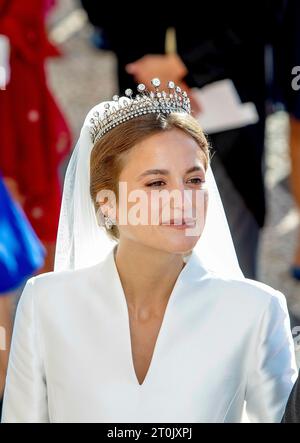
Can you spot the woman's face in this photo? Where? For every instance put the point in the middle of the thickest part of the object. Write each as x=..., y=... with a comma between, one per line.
x=163, y=184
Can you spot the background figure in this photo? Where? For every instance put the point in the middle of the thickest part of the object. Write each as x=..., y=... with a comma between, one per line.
x=226, y=51
x=217, y=44
x=34, y=135
x=129, y=38
x=295, y=183
x=292, y=411
x=21, y=254
x=287, y=91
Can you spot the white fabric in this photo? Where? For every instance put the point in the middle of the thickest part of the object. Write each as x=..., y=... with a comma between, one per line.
x=81, y=242
x=221, y=342
x=4, y=61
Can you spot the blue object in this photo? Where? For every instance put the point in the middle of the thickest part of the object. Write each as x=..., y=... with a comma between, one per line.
x=99, y=40
x=295, y=272
x=21, y=252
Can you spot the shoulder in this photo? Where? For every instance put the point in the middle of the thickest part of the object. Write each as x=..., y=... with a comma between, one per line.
x=64, y=285
x=247, y=294
x=252, y=308
x=53, y=279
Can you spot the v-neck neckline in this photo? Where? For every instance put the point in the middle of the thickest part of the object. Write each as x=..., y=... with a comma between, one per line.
x=182, y=276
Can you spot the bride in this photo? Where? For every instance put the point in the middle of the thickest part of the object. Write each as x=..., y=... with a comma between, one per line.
x=147, y=316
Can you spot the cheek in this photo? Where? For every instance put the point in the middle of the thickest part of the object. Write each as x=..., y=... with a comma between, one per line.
x=154, y=207
x=200, y=205
x=134, y=209
x=206, y=200
x=146, y=212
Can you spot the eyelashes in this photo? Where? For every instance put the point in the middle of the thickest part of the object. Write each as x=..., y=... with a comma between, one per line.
x=156, y=183
x=200, y=180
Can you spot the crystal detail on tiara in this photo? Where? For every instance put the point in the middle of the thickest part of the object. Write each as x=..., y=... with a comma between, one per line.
x=155, y=82
x=128, y=92
x=141, y=87
x=145, y=102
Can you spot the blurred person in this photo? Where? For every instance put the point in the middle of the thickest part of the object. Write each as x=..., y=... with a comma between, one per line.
x=4, y=62
x=129, y=41
x=7, y=301
x=217, y=44
x=292, y=410
x=186, y=338
x=34, y=134
x=287, y=92
x=21, y=254
x=295, y=183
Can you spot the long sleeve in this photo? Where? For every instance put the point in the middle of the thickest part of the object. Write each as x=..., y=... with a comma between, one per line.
x=273, y=368
x=25, y=395
x=215, y=42
x=208, y=62
x=209, y=46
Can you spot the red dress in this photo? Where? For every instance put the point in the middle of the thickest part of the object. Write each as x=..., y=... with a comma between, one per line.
x=34, y=136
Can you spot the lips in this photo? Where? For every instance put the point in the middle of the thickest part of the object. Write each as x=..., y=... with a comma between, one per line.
x=179, y=222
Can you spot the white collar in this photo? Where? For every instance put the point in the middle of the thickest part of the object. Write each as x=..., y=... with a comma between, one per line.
x=192, y=272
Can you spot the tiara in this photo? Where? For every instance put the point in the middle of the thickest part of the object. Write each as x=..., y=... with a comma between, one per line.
x=145, y=102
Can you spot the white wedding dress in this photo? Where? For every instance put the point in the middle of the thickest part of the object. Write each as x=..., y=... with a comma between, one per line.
x=222, y=342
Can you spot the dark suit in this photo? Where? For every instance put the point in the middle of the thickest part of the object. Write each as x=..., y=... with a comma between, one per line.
x=292, y=411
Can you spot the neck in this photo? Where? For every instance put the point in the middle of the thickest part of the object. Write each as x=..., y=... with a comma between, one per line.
x=147, y=275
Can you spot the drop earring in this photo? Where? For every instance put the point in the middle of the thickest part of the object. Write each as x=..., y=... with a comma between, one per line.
x=104, y=220
x=108, y=222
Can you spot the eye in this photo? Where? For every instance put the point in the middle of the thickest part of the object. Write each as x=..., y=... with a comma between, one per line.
x=198, y=180
x=156, y=183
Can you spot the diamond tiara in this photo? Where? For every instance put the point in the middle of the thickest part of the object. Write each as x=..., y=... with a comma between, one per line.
x=145, y=102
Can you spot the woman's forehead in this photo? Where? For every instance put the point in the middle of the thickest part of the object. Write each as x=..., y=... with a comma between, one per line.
x=160, y=163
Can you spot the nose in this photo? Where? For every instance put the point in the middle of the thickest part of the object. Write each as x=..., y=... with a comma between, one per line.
x=185, y=209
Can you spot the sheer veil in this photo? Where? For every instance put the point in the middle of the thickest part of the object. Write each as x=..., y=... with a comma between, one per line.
x=81, y=242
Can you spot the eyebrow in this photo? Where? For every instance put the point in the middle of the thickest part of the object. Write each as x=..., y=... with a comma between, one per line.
x=166, y=172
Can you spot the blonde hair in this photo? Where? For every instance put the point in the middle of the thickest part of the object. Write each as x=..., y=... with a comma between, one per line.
x=108, y=154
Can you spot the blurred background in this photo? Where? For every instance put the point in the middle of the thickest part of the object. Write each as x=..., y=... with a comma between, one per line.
x=59, y=58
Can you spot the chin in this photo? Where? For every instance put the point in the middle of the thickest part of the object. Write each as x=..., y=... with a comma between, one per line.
x=168, y=240
x=177, y=244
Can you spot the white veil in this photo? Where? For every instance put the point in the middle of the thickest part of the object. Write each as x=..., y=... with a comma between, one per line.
x=81, y=242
